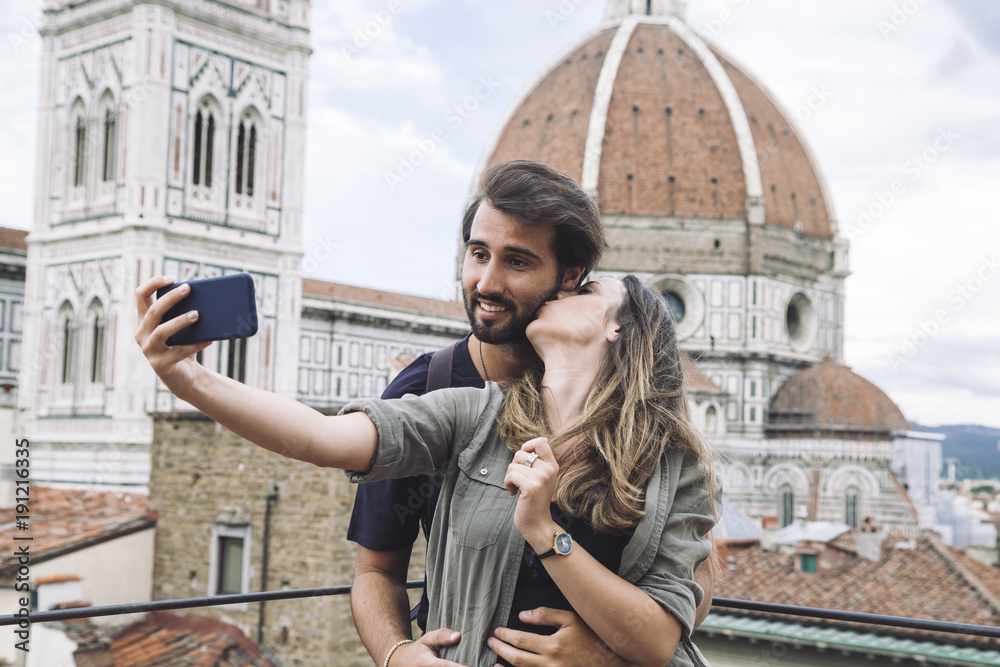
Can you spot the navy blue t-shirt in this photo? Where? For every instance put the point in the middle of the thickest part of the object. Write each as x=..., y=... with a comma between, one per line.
x=387, y=515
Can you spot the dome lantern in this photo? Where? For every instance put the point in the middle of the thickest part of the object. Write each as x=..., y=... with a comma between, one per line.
x=619, y=9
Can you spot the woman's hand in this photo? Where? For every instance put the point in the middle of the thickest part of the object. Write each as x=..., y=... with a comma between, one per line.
x=175, y=365
x=536, y=487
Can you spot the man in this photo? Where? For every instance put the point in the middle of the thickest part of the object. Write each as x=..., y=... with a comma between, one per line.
x=529, y=234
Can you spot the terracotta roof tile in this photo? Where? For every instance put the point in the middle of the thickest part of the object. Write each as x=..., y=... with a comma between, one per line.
x=829, y=398
x=64, y=520
x=696, y=380
x=925, y=580
x=56, y=579
x=551, y=123
x=380, y=299
x=14, y=239
x=669, y=144
x=792, y=190
x=170, y=640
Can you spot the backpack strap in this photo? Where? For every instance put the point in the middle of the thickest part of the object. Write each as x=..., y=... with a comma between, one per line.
x=438, y=377
x=439, y=370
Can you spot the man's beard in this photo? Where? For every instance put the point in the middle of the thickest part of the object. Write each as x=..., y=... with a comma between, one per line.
x=511, y=331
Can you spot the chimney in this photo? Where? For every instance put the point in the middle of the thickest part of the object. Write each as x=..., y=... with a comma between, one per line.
x=802, y=516
x=869, y=546
x=769, y=533
x=869, y=540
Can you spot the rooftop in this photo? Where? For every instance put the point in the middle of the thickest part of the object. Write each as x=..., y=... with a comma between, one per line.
x=919, y=578
x=13, y=240
x=831, y=400
x=371, y=297
x=696, y=380
x=167, y=640
x=862, y=641
x=67, y=520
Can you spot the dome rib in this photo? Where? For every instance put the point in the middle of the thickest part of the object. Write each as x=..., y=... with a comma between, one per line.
x=594, y=147
x=517, y=105
x=737, y=116
x=793, y=151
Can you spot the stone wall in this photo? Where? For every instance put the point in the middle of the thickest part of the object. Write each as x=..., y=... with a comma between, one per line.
x=202, y=475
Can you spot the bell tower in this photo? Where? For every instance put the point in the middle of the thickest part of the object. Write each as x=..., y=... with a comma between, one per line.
x=170, y=140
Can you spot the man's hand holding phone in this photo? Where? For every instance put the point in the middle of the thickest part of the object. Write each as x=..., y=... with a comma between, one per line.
x=186, y=318
x=175, y=365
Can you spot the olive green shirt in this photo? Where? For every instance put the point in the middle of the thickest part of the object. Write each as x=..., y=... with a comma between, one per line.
x=474, y=550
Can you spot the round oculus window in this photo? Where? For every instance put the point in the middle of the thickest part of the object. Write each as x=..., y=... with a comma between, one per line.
x=685, y=302
x=801, y=321
x=675, y=302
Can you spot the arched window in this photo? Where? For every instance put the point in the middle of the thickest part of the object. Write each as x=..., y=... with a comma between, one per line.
x=851, y=502
x=95, y=323
x=79, y=150
x=786, y=507
x=246, y=155
x=204, y=145
x=711, y=420
x=67, y=333
x=110, y=145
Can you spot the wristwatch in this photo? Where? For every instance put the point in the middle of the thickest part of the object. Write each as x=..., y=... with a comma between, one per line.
x=562, y=545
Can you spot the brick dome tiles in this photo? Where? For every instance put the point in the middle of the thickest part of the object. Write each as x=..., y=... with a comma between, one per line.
x=670, y=146
x=550, y=124
x=831, y=399
x=792, y=190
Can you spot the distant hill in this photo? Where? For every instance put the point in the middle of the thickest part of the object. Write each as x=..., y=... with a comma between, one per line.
x=975, y=447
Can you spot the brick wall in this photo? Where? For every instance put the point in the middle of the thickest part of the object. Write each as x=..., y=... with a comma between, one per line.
x=203, y=474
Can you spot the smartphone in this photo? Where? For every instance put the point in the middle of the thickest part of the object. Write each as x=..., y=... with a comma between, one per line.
x=227, y=308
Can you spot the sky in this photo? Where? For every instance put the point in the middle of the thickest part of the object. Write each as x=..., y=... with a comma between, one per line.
x=899, y=101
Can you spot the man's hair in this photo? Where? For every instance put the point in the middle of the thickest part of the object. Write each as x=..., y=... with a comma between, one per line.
x=543, y=197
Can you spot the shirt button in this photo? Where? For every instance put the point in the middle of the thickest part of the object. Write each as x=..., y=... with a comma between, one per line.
x=534, y=574
x=484, y=471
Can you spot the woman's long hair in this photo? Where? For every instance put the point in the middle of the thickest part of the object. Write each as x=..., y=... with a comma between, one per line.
x=635, y=410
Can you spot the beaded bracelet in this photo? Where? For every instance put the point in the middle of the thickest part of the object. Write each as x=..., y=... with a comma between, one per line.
x=393, y=650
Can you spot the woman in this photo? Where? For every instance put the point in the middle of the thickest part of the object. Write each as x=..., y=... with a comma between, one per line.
x=583, y=485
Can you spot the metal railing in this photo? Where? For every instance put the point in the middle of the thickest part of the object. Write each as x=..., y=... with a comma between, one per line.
x=267, y=596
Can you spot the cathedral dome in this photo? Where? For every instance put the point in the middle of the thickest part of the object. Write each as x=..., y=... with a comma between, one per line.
x=830, y=400
x=654, y=122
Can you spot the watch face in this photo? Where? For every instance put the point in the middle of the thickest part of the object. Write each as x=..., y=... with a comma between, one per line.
x=564, y=543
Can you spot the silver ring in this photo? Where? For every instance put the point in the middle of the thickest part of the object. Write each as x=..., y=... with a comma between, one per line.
x=531, y=459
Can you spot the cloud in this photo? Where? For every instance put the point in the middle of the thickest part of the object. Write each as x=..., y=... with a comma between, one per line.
x=20, y=50
x=982, y=19
x=950, y=380
x=958, y=59
x=359, y=49
x=984, y=134
x=392, y=232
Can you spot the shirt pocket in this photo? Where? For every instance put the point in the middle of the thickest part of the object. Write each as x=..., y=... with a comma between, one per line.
x=480, y=505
